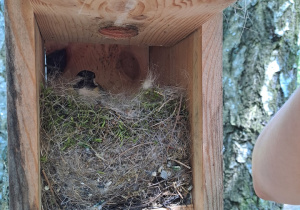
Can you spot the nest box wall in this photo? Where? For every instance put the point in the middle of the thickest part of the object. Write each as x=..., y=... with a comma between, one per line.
x=190, y=32
x=117, y=68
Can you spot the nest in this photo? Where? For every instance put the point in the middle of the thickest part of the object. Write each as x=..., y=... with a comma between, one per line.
x=104, y=151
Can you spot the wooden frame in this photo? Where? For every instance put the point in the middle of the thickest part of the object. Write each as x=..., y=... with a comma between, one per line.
x=25, y=62
x=194, y=62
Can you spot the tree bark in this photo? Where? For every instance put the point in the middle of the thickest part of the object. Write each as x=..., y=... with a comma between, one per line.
x=3, y=125
x=260, y=72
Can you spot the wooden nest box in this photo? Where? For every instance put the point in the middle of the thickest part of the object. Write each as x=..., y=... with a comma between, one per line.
x=119, y=40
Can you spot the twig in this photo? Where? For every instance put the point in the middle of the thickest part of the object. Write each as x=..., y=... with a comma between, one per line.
x=174, y=185
x=96, y=153
x=188, y=167
x=135, y=147
x=177, y=116
x=147, y=204
x=164, y=104
x=50, y=186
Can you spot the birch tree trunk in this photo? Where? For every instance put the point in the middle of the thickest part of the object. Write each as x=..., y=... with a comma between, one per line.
x=260, y=72
x=3, y=124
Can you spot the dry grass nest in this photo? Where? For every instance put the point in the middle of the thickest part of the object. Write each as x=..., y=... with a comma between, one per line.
x=104, y=151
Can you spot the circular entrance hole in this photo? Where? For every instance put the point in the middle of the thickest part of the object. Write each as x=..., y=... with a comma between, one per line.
x=119, y=32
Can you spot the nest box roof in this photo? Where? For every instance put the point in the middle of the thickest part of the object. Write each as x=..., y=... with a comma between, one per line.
x=134, y=22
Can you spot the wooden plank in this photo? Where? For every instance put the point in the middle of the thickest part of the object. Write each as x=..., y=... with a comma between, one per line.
x=118, y=68
x=145, y=22
x=196, y=64
x=212, y=33
x=24, y=60
x=40, y=78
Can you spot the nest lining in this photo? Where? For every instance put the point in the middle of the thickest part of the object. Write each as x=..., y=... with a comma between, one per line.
x=104, y=151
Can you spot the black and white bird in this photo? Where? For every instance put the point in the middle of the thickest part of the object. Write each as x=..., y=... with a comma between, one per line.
x=86, y=85
x=84, y=82
x=86, y=79
x=56, y=63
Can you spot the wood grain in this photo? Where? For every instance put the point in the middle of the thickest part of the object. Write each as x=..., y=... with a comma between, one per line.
x=117, y=68
x=196, y=64
x=157, y=23
x=24, y=60
x=212, y=33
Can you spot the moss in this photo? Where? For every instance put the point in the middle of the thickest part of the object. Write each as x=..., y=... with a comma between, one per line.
x=114, y=146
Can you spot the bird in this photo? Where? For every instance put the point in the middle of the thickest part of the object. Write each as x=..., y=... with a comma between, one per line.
x=86, y=79
x=86, y=85
x=56, y=62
